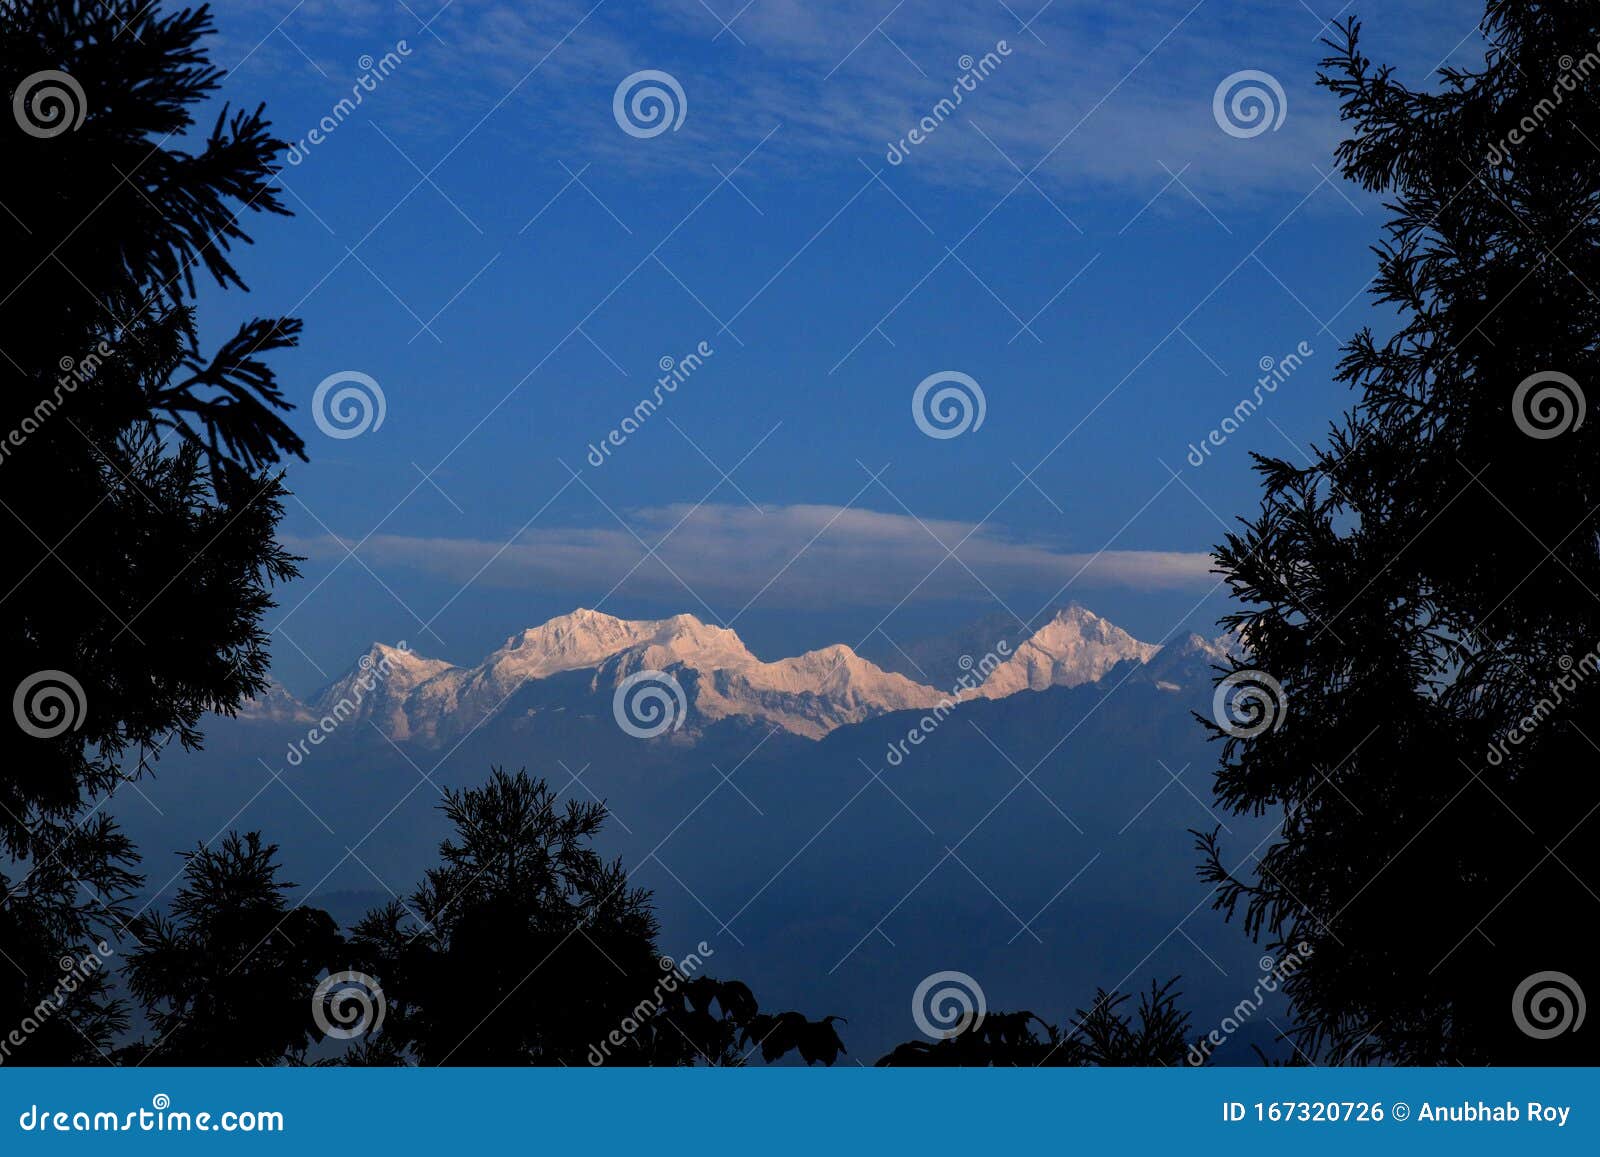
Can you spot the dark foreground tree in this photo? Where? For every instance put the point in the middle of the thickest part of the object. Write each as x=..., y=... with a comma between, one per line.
x=526, y=947
x=1104, y=1035
x=137, y=497
x=227, y=977
x=57, y=950
x=1425, y=592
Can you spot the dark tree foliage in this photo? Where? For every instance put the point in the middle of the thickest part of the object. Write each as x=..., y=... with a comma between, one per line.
x=701, y=1020
x=1105, y=1035
x=525, y=947
x=814, y=1041
x=1426, y=590
x=138, y=496
x=227, y=977
x=55, y=968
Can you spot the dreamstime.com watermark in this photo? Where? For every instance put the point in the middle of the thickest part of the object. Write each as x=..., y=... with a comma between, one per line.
x=674, y=372
x=74, y=373
x=371, y=678
x=1574, y=675
x=1274, y=372
x=973, y=673
x=1273, y=974
x=973, y=73
x=160, y=1117
x=373, y=73
x=75, y=971
x=1573, y=73
x=676, y=973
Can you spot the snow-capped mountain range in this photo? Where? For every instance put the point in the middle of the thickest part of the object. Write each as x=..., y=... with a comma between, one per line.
x=714, y=676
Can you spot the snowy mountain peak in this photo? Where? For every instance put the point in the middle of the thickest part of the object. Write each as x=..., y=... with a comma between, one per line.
x=837, y=669
x=1221, y=648
x=1075, y=647
x=579, y=639
x=389, y=661
x=685, y=639
x=407, y=696
x=587, y=638
x=377, y=686
x=809, y=694
x=401, y=663
x=274, y=705
x=1192, y=661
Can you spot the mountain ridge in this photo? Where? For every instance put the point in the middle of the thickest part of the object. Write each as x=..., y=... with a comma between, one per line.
x=713, y=676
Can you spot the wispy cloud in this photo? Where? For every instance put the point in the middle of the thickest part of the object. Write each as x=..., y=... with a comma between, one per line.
x=1105, y=96
x=780, y=556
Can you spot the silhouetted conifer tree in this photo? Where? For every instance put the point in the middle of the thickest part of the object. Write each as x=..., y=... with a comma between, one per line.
x=1425, y=591
x=227, y=977
x=137, y=493
x=526, y=947
x=57, y=947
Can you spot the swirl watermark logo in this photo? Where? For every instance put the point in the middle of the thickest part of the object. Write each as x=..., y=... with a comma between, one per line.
x=48, y=104
x=947, y=1004
x=649, y=703
x=48, y=704
x=1548, y=1004
x=649, y=102
x=348, y=404
x=1248, y=703
x=1548, y=404
x=948, y=404
x=347, y=1005
x=1248, y=103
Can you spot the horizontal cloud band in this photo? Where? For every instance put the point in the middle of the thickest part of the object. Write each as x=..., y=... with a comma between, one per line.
x=801, y=555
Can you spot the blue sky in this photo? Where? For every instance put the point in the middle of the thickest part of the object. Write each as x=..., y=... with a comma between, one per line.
x=1082, y=238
